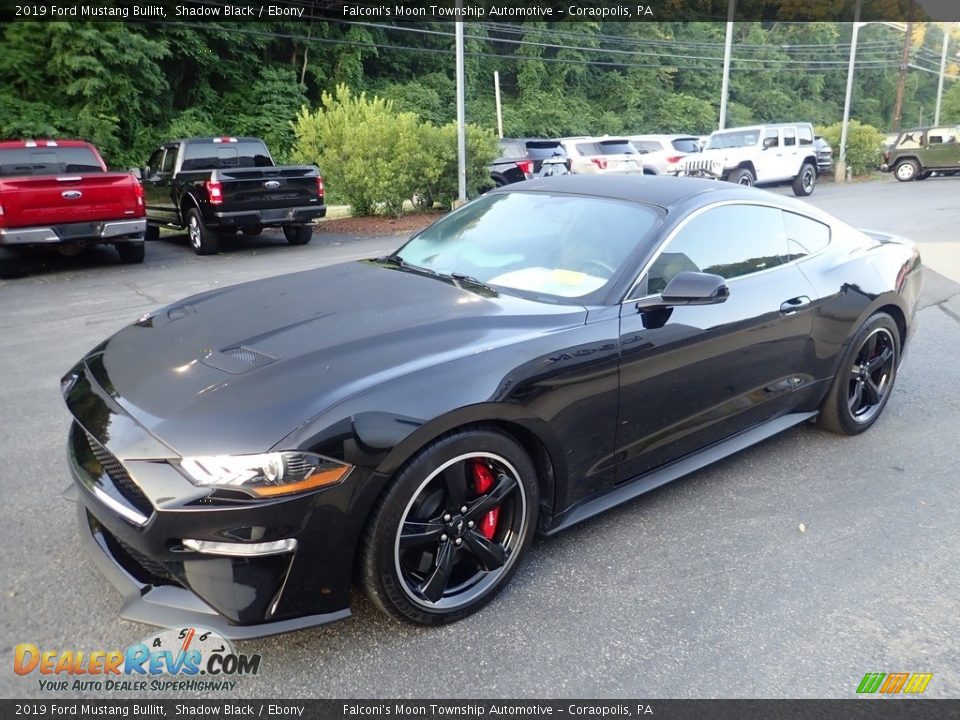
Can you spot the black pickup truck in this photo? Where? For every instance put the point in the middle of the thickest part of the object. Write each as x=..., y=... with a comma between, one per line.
x=218, y=186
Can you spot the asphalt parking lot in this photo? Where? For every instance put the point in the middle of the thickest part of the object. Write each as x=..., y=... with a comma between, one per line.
x=704, y=588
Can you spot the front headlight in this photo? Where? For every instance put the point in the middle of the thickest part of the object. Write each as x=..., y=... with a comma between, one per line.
x=267, y=474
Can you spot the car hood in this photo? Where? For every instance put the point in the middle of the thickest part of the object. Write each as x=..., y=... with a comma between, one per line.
x=238, y=368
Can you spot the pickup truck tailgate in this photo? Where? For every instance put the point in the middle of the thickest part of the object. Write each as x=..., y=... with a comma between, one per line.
x=269, y=187
x=54, y=200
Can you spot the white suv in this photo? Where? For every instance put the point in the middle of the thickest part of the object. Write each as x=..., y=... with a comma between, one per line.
x=602, y=155
x=761, y=155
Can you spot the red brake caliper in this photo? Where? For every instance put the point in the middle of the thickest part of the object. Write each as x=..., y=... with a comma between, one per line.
x=483, y=482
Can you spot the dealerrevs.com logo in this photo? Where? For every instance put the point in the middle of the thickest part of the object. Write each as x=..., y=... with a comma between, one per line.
x=190, y=658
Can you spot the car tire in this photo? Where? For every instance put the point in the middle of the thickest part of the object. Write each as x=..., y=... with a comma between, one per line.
x=924, y=175
x=805, y=182
x=251, y=230
x=298, y=234
x=202, y=240
x=131, y=253
x=152, y=233
x=906, y=170
x=458, y=560
x=742, y=176
x=864, y=379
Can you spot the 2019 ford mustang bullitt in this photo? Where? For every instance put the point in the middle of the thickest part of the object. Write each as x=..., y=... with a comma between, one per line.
x=545, y=352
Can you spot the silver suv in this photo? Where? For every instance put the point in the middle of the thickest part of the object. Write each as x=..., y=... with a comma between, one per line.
x=760, y=155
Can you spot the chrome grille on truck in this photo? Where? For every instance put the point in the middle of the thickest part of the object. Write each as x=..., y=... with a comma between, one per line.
x=119, y=477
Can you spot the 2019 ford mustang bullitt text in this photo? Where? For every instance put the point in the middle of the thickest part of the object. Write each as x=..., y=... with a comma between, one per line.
x=547, y=351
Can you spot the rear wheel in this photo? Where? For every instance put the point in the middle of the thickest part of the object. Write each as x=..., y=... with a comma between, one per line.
x=131, y=253
x=865, y=378
x=151, y=233
x=298, y=234
x=906, y=170
x=742, y=176
x=449, y=532
x=202, y=240
x=806, y=181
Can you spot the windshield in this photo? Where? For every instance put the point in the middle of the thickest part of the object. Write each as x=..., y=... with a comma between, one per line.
x=565, y=246
x=735, y=139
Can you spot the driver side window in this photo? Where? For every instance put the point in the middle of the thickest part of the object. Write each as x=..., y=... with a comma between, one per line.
x=730, y=241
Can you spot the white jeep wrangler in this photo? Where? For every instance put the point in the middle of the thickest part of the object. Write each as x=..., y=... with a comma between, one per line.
x=759, y=155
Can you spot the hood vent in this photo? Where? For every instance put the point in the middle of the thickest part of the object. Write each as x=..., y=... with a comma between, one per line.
x=239, y=359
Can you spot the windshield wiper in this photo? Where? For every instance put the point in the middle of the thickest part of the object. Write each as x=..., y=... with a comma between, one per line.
x=400, y=262
x=463, y=277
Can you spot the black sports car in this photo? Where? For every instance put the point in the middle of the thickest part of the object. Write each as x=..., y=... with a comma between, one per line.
x=549, y=350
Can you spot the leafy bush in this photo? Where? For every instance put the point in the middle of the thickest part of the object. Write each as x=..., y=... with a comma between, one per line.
x=864, y=145
x=377, y=158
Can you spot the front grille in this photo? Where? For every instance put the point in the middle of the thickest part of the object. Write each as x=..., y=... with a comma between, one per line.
x=119, y=477
x=143, y=568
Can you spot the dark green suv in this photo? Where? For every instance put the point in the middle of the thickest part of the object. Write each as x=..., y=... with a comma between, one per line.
x=917, y=154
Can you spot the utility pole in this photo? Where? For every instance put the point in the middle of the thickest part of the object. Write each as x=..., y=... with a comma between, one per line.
x=840, y=173
x=496, y=90
x=461, y=120
x=943, y=69
x=727, y=51
x=902, y=80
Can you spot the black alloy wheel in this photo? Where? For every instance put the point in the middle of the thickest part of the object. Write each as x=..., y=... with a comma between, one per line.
x=449, y=532
x=865, y=378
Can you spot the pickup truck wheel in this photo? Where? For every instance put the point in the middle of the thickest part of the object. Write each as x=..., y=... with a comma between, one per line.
x=906, y=171
x=131, y=253
x=251, y=230
x=742, y=176
x=152, y=233
x=298, y=234
x=202, y=240
x=806, y=181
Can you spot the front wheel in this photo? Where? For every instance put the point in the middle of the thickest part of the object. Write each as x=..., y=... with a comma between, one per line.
x=864, y=379
x=906, y=171
x=806, y=181
x=202, y=240
x=298, y=234
x=450, y=531
x=742, y=176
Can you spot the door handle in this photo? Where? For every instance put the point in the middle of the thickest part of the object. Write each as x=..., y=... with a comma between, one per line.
x=793, y=304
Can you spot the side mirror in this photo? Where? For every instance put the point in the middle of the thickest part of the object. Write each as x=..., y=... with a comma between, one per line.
x=689, y=288
x=769, y=143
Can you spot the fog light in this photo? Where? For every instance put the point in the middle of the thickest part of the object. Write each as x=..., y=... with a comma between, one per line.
x=241, y=549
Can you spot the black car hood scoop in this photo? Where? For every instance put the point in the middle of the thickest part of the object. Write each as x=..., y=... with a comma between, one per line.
x=237, y=360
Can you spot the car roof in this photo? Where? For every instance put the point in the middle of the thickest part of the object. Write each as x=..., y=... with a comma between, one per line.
x=662, y=137
x=658, y=190
x=42, y=143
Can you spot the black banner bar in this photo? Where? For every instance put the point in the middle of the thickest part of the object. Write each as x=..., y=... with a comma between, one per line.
x=873, y=708
x=509, y=11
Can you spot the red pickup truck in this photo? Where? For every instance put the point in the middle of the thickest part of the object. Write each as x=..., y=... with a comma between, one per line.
x=59, y=194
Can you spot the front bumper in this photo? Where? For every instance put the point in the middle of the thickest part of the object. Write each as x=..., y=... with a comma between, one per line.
x=103, y=231
x=270, y=216
x=136, y=509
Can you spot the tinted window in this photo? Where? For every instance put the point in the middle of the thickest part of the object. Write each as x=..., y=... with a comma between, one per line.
x=771, y=138
x=540, y=150
x=647, y=146
x=804, y=236
x=510, y=149
x=169, y=160
x=616, y=147
x=588, y=149
x=548, y=245
x=214, y=156
x=730, y=241
x=154, y=162
x=789, y=137
x=686, y=145
x=47, y=161
x=806, y=136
